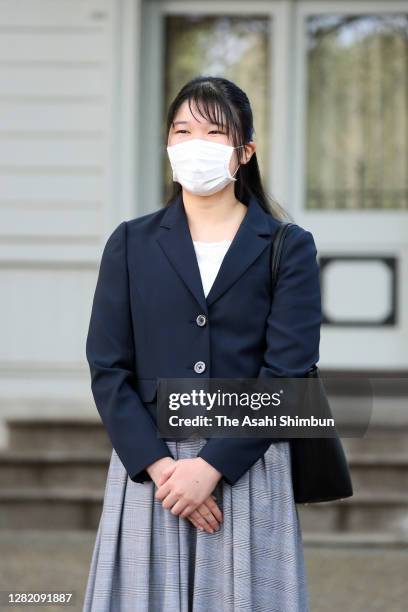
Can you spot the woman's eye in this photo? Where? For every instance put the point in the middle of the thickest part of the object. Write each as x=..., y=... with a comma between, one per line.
x=210, y=132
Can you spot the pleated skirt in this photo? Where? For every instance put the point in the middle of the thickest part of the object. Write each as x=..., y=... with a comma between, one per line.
x=145, y=559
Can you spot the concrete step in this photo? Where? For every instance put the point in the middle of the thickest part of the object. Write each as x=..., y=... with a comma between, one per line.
x=86, y=434
x=51, y=468
x=53, y=508
x=382, y=473
x=64, y=508
x=360, y=540
x=378, y=440
x=57, y=434
x=364, y=512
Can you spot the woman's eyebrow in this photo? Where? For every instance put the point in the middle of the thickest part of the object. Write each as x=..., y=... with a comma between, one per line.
x=187, y=122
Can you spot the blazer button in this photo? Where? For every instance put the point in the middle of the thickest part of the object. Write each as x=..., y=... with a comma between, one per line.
x=201, y=320
x=199, y=367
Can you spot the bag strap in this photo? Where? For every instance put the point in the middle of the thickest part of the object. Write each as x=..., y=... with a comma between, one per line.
x=277, y=251
x=275, y=261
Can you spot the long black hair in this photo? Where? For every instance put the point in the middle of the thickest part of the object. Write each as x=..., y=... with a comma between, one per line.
x=217, y=98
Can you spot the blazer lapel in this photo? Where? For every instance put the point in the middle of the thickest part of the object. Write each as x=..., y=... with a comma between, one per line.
x=178, y=247
x=252, y=237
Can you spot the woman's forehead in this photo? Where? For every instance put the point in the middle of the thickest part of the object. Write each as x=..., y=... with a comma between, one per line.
x=185, y=115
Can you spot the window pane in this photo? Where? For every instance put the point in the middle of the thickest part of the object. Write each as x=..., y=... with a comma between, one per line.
x=357, y=103
x=236, y=48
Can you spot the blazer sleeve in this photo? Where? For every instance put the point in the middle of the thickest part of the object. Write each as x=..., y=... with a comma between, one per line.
x=292, y=344
x=110, y=354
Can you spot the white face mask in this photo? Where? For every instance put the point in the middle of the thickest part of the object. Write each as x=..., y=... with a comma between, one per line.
x=201, y=166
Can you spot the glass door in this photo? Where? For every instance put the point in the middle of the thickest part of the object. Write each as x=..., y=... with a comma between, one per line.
x=350, y=158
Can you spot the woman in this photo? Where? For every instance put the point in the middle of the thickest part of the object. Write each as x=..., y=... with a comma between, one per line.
x=195, y=524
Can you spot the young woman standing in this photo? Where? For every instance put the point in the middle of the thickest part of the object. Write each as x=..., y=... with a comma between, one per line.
x=184, y=292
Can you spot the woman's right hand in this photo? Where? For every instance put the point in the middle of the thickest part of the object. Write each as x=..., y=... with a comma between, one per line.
x=206, y=517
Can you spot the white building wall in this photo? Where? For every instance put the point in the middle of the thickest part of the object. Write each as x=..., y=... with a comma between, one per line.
x=60, y=190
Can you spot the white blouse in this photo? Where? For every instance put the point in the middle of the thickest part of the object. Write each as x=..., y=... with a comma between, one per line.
x=209, y=258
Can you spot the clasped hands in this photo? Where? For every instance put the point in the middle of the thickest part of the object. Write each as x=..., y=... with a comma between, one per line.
x=185, y=488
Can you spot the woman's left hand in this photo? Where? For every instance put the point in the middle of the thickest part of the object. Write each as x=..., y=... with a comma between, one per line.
x=186, y=484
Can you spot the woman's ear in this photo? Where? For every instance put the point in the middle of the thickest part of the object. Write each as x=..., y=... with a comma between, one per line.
x=249, y=150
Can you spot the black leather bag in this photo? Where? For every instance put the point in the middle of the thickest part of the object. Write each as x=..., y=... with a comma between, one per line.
x=320, y=470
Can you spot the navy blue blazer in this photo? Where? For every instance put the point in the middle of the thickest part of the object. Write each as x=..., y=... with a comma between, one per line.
x=144, y=326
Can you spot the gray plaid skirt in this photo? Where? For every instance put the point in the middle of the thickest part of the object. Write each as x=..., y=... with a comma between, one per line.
x=145, y=559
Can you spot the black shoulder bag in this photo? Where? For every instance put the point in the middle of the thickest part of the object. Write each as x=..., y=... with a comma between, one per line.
x=319, y=467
